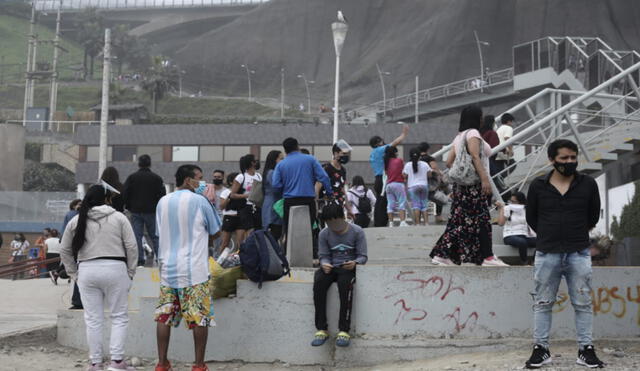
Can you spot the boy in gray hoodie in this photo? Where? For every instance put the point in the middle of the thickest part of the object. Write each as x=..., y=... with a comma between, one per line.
x=342, y=246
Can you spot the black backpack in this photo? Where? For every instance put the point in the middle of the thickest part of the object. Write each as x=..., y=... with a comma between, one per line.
x=364, y=204
x=262, y=258
x=237, y=203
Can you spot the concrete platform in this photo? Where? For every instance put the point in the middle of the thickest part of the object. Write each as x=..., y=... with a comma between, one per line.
x=399, y=312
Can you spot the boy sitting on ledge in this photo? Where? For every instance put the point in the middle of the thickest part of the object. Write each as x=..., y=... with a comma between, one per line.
x=341, y=247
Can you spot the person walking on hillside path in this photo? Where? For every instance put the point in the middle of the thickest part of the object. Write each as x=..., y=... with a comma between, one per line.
x=99, y=251
x=186, y=221
x=142, y=191
x=562, y=207
x=376, y=160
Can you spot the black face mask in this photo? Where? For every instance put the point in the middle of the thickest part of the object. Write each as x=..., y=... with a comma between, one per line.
x=344, y=159
x=217, y=181
x=257, y=165
x=566, y=168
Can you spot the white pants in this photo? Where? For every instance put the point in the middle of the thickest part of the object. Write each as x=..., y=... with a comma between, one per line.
x=104, y=281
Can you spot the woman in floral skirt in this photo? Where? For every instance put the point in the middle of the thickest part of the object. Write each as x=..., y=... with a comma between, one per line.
x=467, y=238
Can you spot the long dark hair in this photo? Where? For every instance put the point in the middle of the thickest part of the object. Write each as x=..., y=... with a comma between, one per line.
x=470, y=118
x=246, y=162
x=111, y=176
x=358, y=181
x=487, y=124
x=96, y=196
x=389, y=153
x=414, y=155
x=271, y=162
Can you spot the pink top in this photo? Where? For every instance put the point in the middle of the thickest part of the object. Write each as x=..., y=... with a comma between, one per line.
x=394, y=170
x=473, y=133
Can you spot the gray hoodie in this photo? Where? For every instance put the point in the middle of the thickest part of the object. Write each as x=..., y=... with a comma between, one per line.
x=108, y=234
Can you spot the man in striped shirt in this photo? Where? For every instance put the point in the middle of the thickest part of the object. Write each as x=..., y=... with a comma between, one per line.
x=185, y=220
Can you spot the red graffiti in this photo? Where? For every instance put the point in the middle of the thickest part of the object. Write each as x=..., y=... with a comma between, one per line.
x=421, y=284
x=405, y=310
x=455, y=315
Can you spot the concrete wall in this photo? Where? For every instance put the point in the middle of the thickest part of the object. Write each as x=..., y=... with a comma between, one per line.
x=11, y=157
x=403, y=308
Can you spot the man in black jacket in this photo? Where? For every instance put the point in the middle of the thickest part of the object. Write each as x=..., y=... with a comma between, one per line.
x=563, y=206
x=142, y=191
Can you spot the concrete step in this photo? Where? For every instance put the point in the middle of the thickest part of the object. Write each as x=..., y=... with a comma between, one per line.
x=413, y=236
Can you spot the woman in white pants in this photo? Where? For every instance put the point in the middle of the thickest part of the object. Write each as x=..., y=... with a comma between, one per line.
x=100, y=252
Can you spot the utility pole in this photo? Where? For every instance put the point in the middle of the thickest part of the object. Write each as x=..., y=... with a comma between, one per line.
x=30, y=51
x=282, y=93
x=53, y=95
x=104, y=116
x=384, y=91
x=1, y=69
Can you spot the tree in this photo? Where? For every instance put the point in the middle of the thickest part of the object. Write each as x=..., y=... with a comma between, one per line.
x=160, y=78
x=90, y=27
x=629, y=224
x=47, y=178
x=121, y=45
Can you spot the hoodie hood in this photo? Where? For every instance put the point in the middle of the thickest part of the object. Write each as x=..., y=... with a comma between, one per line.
x=99, y=212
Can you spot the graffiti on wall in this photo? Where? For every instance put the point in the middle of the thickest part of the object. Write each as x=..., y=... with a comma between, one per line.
x=615, y=301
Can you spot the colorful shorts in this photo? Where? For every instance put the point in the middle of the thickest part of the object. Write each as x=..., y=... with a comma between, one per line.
x=396, y=197
x=419, y=197
x=193, y=303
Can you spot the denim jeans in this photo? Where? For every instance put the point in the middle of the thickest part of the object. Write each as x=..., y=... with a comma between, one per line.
x=138, y=223
x=522, y=242
x=548, y=272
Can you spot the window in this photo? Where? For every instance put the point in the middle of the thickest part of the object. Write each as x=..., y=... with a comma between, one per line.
x=94, y=151
x=155, y=152
x=233, y=153
x=211, y=153
x=360, y=153
x=322, y=153
x=264, y=151
x=124, y=153
x=185, y=153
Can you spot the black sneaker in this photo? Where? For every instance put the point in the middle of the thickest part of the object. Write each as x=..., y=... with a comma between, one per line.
x=539, y=357
x=587, y=357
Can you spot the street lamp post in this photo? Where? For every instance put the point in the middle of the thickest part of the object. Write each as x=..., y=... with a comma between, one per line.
x=249, y=73
x=306, y=85
x=479, y=44
x=381, y=74
x=340, y=29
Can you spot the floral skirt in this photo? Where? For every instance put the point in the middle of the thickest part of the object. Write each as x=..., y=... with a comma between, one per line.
x=460, y=241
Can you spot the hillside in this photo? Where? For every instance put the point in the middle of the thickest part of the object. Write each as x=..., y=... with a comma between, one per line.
x=432, y=39
x=13, y=48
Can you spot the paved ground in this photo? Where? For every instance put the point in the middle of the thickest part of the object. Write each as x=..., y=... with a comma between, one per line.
x=27, y=342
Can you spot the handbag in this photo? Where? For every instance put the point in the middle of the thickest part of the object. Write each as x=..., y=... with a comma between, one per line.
x=462, y=171
x=256, y=196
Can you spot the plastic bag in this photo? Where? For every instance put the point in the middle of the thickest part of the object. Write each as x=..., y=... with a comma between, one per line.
x=223, y=280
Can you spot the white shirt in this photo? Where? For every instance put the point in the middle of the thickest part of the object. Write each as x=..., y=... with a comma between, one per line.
x=504, y=133
x=419, y=177
x=184, y=222
x=353, y=196
x=518, y=223
x=53, y=245
x=223, y=196
x=246, y=180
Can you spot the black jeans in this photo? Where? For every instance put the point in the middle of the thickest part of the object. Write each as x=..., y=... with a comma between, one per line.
x=486, y=244
x=522, y=242
x=301, y=201
x=362, y=220
x=380, y=217
x=321, y=283
x=75, y=298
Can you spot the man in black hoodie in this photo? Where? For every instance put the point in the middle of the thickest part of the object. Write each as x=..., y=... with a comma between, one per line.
x=142, y=191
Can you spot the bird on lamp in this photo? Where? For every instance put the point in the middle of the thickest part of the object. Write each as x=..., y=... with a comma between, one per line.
x=341, y=17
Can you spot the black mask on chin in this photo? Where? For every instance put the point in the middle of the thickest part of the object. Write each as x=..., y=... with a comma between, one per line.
x=217, y=181
x=566, y=168
x=344, y=159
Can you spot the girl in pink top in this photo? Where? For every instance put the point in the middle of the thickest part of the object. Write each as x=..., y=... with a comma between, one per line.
x=396, y=193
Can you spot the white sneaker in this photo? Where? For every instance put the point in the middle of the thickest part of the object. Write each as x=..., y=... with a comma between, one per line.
x=494, y=261
x=404, y=224
x=436, y=260
x=390, y=224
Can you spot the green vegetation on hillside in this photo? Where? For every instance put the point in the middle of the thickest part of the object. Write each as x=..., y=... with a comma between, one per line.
x=13, y=49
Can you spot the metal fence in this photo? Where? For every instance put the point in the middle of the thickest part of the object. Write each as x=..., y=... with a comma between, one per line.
x=34, y=206
x=48, y=5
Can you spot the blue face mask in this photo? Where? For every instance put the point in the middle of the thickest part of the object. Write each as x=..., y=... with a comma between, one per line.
x=201, y=187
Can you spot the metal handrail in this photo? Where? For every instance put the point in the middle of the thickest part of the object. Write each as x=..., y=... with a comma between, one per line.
x=73, y=5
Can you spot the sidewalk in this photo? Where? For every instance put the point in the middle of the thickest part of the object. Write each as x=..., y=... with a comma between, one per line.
x=30, y=304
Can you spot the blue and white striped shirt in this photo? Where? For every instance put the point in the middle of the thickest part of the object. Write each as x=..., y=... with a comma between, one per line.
x=184, y=222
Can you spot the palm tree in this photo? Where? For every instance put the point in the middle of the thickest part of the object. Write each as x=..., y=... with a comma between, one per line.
x=90, y=27
x=160, y=78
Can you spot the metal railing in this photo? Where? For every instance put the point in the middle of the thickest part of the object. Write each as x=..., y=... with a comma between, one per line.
x=71, y=5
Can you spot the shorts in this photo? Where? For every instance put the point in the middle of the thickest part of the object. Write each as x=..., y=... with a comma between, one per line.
x=250, y=217
x=193, y=303
x=230, y=223
x=396, y=197
x=419, y=197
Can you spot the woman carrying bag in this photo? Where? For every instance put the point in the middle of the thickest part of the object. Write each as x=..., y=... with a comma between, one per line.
x=99, y=250
x=467, y=237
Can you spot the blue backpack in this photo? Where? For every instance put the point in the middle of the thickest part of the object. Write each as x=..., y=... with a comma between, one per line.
x=262, y=258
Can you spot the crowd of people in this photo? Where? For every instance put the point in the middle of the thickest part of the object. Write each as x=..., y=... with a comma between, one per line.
x=101, y=248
